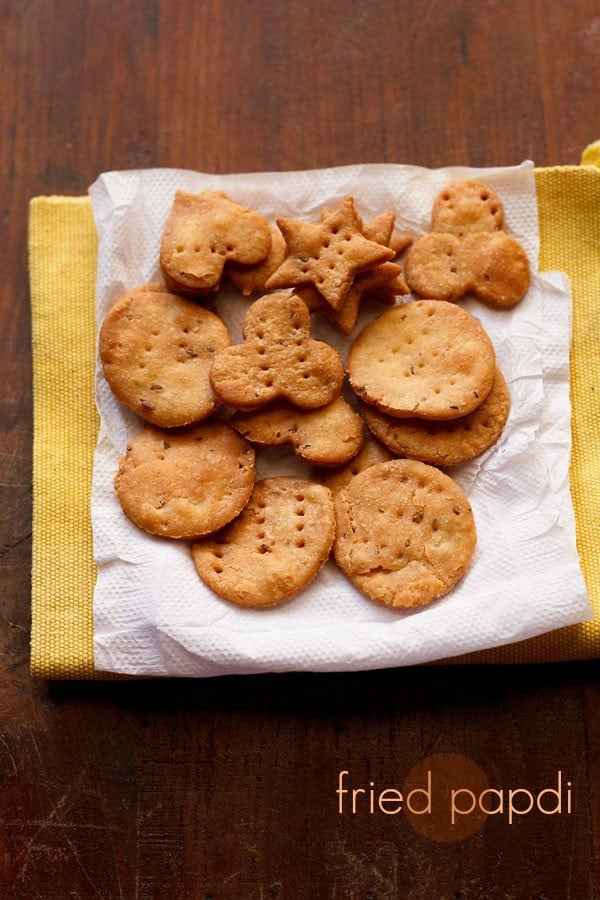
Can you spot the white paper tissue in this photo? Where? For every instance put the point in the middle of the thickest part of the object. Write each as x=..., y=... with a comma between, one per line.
x=152, y=614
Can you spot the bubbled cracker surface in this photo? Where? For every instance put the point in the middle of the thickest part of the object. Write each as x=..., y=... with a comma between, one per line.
x=185, y=484
x=205, y=231
x=405, y=533
x=157, y=349
x=465, y=206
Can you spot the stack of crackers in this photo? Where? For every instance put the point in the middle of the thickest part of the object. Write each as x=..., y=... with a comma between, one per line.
x=421, y=391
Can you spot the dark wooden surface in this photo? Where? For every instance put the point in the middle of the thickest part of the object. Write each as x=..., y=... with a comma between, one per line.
x=225, y=789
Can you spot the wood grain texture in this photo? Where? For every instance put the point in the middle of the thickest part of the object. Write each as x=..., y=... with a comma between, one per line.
x=225, y=789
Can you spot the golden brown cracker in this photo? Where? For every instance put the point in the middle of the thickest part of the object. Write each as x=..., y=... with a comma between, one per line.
x=467, y=206
x=405, y=533
x=386, y=276
x=279, y=360
x=371, y=452
x=467, y=251
x=252, y=279
x=426, y=358
x=327, y=254
x=275, y=548
x=435, y=268
x=328, y=436
x=156, y=350
x=446, y=443
x=499, y=268
x=187, y=483
x=202, y=233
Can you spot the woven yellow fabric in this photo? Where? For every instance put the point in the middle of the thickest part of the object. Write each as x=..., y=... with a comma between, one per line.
x=62, y=266
x=62, y=245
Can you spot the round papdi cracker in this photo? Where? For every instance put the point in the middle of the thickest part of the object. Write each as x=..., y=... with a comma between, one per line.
x=275, y=548
x=427, y=358
x=156, y=350
x=446, y=443
x=405, y=533
x=188, y=483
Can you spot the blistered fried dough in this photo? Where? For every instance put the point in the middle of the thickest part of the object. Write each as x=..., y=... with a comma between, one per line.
x=278, y=359
x=327, y=255
x=328, y=436
x=446, y=443
x=435, y=268
x=399, y=242
x=380, y=228
x=405, y=533
x=426, y=358
x=188, y=483
x=156, y=350
x=252, y=279
x=275, y=548
x=202, y=233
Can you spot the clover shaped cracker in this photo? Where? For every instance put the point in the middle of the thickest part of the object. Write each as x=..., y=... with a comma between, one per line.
x=467, y=252
x=202, y=233
x=278, y=359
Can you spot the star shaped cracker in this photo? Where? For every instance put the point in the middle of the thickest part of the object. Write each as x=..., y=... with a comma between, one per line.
x=327, y=255
x=383, y=281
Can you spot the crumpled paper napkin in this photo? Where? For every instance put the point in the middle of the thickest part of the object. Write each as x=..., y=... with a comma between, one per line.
x=153, y=615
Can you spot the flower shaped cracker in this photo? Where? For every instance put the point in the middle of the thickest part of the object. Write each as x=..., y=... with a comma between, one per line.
x=467, y=252
x=278, y=359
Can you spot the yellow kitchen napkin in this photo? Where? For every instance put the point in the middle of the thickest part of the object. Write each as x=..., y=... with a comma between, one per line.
x=62, y=272
x=62, y=248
